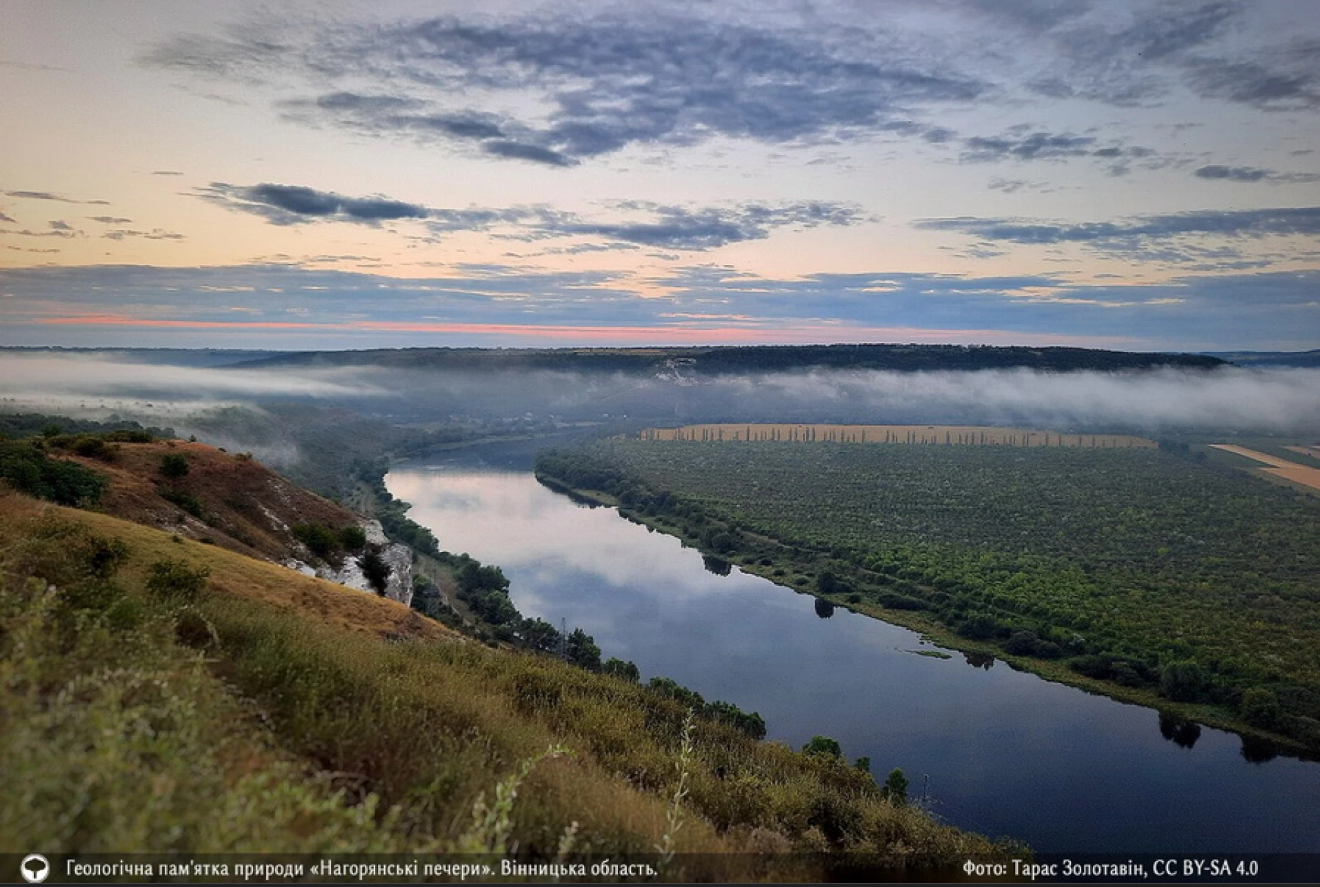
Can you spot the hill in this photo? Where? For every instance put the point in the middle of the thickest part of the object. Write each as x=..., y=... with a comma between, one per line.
x=235, y=502
x=714, y=361
x=165, y=693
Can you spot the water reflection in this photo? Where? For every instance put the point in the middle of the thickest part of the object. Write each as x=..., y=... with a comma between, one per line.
x=717, y=565
x=1180, y=732
x=1006, y=753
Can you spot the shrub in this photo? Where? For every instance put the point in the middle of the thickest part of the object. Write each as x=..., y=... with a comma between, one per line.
x=176, y=580
x=319, y=539
x=173, y=465
x=187, y=501
x=27, y=467
x=353, y=538
x=823, y=745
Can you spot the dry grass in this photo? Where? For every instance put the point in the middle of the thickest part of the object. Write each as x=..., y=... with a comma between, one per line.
x=355, y=724
x=968, y=435
x=245, y=506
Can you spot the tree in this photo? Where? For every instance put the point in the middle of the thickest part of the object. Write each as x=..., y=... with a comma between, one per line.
x=626, y=670
x=1260, y=708
x=895, y=787
x=823, y=745
x=582, y=651
x=1183, y=681
x=376, y=571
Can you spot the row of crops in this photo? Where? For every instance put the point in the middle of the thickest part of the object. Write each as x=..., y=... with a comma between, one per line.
x=1135, y=566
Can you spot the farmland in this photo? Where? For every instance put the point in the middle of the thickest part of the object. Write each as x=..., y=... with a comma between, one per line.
x=977, y=435
x=1284, y=468
x=1146, y=574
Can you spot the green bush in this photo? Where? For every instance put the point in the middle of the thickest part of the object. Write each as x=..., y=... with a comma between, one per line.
x=173, y=465
x=353, y=538
x=319, y=539
x=29, y=470
x=176, y=580
x=187, y=501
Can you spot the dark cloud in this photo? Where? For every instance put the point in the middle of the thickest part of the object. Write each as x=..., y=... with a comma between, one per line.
x=1155, y=238
x=60, y=226
x=1036, y=146
x=1233, y=173
x=603, y=82
x=1129, y=55
x=292, y=204
x=684, y=229
x=528, y=152
x=1288, y=80
x=110, y=220
x=39, y=195
x=166, y=172
x=670, y=227
x=5, y=218
x=1253, y=174
x=1020, y=143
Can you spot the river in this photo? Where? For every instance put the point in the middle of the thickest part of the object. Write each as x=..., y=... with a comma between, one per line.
x=984, y=747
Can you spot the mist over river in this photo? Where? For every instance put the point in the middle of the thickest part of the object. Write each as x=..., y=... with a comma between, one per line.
x=985, y=748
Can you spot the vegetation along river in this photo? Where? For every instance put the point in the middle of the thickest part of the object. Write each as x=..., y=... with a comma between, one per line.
x=991, y=749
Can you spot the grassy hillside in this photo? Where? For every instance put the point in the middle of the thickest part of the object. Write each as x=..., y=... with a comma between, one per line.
x=141, y=671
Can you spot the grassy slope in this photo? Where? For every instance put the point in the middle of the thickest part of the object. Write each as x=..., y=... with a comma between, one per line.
x=315, y=717
x=243, y=505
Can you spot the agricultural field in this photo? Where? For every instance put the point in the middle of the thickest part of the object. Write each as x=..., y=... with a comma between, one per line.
x=1284, y=468
x=1153, y=571
x=910, y=434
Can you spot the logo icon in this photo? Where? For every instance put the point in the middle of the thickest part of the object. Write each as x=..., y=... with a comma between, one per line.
x=35, y=868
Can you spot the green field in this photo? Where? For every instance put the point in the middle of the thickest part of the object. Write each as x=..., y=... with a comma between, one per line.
x=1152, y=575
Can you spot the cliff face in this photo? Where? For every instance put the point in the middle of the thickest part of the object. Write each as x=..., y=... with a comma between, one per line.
x=234, y=502
x=397, y=557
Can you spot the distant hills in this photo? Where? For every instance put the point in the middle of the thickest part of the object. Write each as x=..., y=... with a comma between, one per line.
x=722, y=360
x=1271, y=358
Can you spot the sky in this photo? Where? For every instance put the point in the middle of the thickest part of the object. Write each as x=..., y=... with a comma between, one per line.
x=1133, y=175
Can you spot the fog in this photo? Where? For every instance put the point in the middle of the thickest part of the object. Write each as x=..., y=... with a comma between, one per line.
x=1226, y=400
x=43, y=375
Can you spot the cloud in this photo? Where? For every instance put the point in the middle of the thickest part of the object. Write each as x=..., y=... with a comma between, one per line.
x=684, y=229
x=291, y=204
x=671, y=227
x=511, y=304
x=49, y=195
x=1036, y=146
x=109, y=220
x=5, y=218
x=1289, y=81
x=155, y=234
x=1253, y=174
x=39, y=195
x=597, y=83
x=1143, y=235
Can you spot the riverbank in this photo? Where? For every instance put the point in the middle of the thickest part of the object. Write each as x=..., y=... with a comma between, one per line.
x=789, y=564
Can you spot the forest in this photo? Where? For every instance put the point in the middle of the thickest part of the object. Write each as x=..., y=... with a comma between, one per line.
x=1143, y=569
